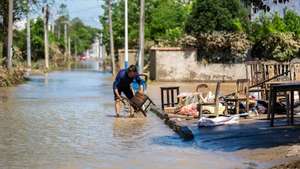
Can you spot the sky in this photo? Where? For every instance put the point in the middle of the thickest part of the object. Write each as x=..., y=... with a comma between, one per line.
x=87, y=10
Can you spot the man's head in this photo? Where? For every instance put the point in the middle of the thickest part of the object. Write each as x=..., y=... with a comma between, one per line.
x=132, y=71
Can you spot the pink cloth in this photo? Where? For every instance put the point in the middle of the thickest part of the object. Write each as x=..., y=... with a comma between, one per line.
x=190, y=110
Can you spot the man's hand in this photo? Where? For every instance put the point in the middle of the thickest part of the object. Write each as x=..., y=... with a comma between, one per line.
x=141, y=90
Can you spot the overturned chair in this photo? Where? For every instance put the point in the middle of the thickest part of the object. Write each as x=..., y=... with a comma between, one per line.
x=141, y=103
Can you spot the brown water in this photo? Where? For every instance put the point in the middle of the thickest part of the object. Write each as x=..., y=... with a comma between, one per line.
x=65, y=121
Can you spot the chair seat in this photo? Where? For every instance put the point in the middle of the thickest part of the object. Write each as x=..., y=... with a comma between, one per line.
x=207, y=104
x=237, y=99
x=256, y=90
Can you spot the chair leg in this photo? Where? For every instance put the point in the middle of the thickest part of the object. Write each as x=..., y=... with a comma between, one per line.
x=200, y=110
x=217, y=110
x=226, y=109
x=237, y=107
x=288, y=107
x=247, y=105
x=292, y=107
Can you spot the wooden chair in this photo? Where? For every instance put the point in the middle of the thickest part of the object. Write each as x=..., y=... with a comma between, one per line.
x=295, y=73
x=241, y=95
x=171, y=98
x=255, y=72
x=215, y=102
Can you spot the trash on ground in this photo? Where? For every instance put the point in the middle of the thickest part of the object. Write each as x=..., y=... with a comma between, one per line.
x=210, y=122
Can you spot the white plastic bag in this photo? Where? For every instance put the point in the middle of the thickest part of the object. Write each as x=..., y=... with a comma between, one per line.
x=210, y=122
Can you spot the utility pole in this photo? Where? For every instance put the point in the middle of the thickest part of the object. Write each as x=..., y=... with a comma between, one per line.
x=28, y=36
x=69, y=48
x=10, y=35
x=142, y=36
x=66, y=39
x=126, y=34
x=46, y=16
x=75, y=48
x=97, y=47
x=101, y=46
x=112, y=49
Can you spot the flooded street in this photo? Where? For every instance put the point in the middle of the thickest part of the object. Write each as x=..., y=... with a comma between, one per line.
x=65, y=121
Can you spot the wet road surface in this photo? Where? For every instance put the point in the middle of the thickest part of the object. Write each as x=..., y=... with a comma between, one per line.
x=65, y=121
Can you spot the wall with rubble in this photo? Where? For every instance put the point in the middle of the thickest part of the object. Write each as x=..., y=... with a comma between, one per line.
x=176, y=64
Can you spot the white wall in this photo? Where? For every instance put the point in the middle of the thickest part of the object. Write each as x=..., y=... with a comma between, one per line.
x=182, y=65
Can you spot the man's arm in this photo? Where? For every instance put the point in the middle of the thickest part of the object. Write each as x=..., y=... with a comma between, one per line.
x=117, y=93
x=139, y=81
x=116, y=83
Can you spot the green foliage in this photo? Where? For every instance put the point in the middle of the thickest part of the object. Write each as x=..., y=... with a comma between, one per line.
x=223, y=47
x=275, y=37
x=37, y=40
x=215, y=15
x=82, y=36
x=167, y=20
x=278, y=46
x=164, y=21
x=292, y=22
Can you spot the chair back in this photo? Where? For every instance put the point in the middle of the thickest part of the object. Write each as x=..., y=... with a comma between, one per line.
x=296, y=72
x=202, y=88
x=169, y=96
x=242, y=88
x=218, y=92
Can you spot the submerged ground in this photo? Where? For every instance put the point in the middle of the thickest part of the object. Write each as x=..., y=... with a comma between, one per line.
x=64, y=120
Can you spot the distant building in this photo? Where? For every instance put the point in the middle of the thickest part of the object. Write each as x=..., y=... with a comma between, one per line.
x=97, y=51
x=271, y=7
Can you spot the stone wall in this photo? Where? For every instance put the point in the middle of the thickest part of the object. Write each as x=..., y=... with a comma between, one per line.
x=176, y=64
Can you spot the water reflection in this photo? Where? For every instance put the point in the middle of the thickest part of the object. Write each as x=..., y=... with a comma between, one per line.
x=128, y=129
x=46, y=79
x=64, y=120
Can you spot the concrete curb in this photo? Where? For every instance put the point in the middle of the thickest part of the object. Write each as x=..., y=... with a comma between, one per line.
x=182, y=130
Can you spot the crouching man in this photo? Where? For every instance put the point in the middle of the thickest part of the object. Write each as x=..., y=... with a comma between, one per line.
x=122, y=84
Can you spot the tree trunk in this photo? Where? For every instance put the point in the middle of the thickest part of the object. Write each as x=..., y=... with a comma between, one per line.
x=5, y=30
x=112, y=49
x=66, y=41
x=10, y=35
x=46, y=14
x=28, y=36
x=142, y=36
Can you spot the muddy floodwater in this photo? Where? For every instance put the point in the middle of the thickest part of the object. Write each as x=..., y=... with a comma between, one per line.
x=64, y=120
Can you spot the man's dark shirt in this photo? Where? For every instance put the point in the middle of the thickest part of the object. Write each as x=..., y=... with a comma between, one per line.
x=123, y=81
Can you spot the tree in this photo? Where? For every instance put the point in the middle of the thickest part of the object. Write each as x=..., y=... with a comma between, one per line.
x=111, y=37
x=82, y=35
x=164, y=21
x=292, y=22
x=215, y=15
x=167, y=19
